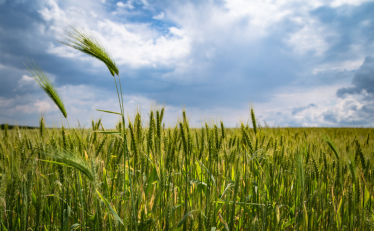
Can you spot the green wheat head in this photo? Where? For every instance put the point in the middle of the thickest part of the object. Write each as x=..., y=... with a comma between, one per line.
x=46, y=85
x=254, y=121
x=332, y=146
x=65, y=158
x=85, y=42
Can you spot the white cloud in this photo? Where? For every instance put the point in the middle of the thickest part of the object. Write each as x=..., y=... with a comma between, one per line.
x=278, y=110
x=345, y=112
x=26, y=81
x=337, y=3
x=93, y=14
x=5, y=102
x=79, y=13
x=44, y=106
x=28, y=109
x=262, y=14
x=136, y=48
x=312, y=37
x=16, y=107
x=120, y=4
x=52, y=11
x=132, y=44
x=29, y=104
x=139, y=45
x=316, y=107
x=62, y=51
x=159, y=16
x=128, y=5
x=348, y=65
x=252, y=21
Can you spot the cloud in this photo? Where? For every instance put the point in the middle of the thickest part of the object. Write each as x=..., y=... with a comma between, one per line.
x=310, y=38
x=350, y=111
x=44, y=106
x=128, y=5
x=26, y=80
x=133, y=44
x=15, y=108
x=264, y=14
x=350, y=33
x=363, y=80
x=286, y=57
x=14, y=81
x=136, y=48
x=351, y=106
x=296, y=110
x=159, y=16
x=120, y=4
x=337, y=3
x=52, y=12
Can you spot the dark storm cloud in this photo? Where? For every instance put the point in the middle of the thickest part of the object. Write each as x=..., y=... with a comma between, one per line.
x=363, y=80
x=239, y=72
x=243, y=72
x=362, y=90
x=350, y=25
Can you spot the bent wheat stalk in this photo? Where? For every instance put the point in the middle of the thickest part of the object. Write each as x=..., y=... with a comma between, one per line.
x=84, y=41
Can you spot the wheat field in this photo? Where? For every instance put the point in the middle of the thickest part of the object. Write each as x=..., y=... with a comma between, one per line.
x=145, y=176
x=182, y=178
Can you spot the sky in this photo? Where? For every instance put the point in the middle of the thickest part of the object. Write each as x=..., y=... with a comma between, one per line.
x=297, y=63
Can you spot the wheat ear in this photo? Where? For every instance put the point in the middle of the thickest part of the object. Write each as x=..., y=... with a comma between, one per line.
x=46, y=85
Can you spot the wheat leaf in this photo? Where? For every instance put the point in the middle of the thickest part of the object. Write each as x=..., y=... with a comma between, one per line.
x=106, y=202
x=112, y=112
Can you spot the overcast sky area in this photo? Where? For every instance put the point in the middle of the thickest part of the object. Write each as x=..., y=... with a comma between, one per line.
x=298, y=63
